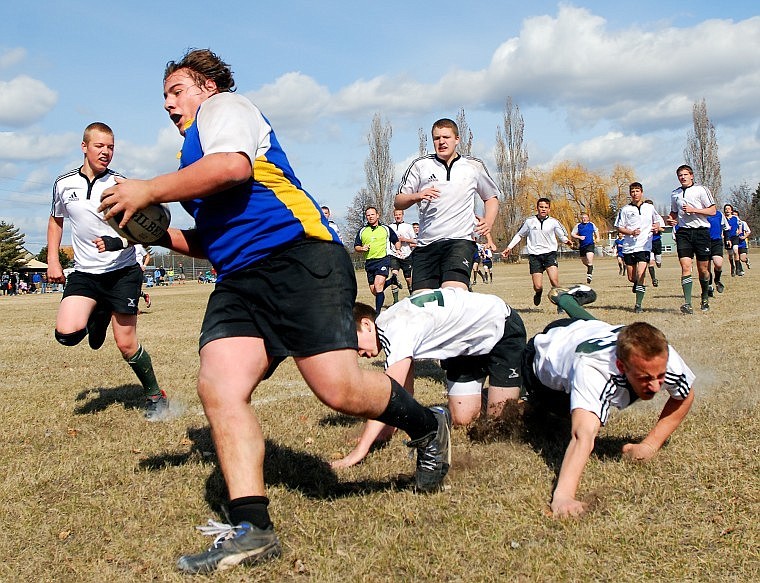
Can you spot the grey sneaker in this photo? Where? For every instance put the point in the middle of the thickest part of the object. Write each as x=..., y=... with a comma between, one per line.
x=637, y=309
x=156, y=407
x=705, y=306
x=97, y=326
x=583, y=294
x=433, y=453
x=234, y=545
x=687, y=309
x=719, y=286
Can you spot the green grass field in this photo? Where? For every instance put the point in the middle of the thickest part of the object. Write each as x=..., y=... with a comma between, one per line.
x=91, y=492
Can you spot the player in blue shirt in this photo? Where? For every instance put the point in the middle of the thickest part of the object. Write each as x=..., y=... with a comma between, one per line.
x=286, y=287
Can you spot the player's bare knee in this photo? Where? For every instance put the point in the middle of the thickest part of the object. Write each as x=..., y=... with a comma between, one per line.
x=462, y=418
x=71, y=338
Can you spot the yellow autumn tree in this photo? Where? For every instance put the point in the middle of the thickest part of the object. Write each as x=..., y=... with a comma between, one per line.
x=573, y=190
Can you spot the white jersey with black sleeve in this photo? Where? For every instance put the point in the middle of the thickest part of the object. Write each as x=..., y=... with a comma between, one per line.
x=405, y=230
x=642, y=217
x=580, y=359
x=78, y=199
x=697, y=196
x=441, y=323
x=452, y=214
x=540, y=235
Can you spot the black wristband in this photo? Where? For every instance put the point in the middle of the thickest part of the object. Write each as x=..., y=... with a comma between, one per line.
x=114, y=243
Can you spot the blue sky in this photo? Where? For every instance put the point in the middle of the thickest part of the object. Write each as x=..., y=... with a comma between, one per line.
x=597, y=82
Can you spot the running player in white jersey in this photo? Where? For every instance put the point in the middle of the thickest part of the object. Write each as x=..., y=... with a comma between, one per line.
x=583, y=367
x=444, y=186
x=637, y=221
x=690, y=205
x=105, y=286
x=474, y=335
x=401, y=260
x=542, y=232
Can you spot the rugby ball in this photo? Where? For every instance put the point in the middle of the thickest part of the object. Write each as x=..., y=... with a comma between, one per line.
x=146, y=226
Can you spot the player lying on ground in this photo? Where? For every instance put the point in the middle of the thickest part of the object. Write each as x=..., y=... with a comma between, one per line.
x=583, y=366
x=474, y=336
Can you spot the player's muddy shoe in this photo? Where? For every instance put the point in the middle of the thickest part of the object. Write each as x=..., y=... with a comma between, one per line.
x=234, y=545
x=705, y=306
x=583, y=294
x=687, y=309
x=719, y=286
x=157, y=407
x=433, y=453
x=97, y=326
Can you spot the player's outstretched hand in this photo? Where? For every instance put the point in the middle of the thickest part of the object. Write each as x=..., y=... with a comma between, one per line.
x=567, y=507
x=126, y=196
x=639, y=452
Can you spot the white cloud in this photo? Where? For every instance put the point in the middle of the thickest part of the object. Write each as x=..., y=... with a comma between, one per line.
x=11, y=57
x=139, y=161
x=294, y=99
x=607, y=150
x=638, y=78
x=24, y=100
x=30, y=147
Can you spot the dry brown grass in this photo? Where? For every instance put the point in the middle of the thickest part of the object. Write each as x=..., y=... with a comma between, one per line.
x=90, y=492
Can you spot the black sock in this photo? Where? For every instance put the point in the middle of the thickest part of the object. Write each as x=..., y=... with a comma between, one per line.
x=717, y=275
x=251, y=509
x=704, y=284
x=407, y=414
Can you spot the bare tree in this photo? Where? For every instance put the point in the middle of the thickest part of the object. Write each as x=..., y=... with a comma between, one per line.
x=355, y=215
x=620, y=182
x=511, y=164
x=701, y=152
x=740, y=198
x=379, y=167
x=465, y=134
x=423, y=142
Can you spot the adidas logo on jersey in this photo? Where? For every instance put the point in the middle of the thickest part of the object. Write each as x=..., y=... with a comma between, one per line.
x=72, y=197
x=432, y=178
